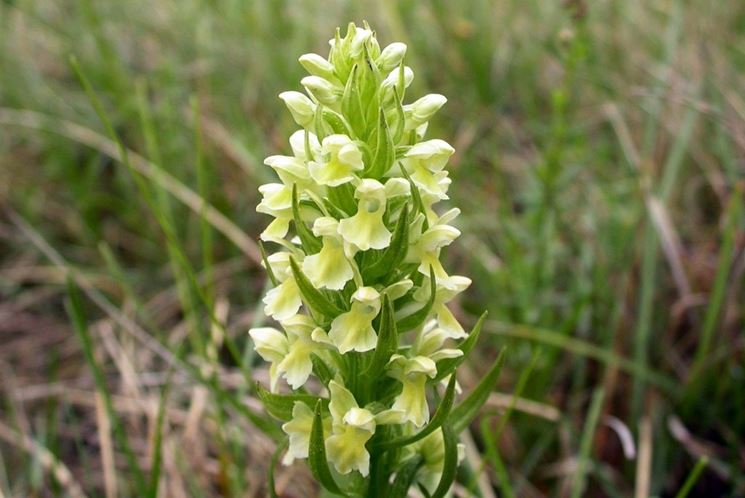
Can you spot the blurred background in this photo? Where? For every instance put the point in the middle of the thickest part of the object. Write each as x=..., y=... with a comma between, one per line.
x=600, y=169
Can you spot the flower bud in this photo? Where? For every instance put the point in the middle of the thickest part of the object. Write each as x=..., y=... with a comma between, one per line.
x=363, y=38
x=391, y=56
x=433, y=154
x=323, y=90
x=422, y=110
x=392, y=79
x=301, y=107
x=317, y=66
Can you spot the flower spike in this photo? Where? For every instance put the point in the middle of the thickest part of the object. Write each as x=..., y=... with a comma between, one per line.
x=364, y=333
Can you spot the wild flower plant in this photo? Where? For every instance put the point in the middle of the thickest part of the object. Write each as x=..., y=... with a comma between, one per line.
x=367, y=343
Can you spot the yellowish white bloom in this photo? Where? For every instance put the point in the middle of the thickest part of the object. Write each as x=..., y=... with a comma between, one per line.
x=352, y=427
x=425, y=248
x=366, y=229
x=329, y=268
x=425, y=162
x=283, y=301
x=296, y=366
x=353, y=330
x=430, y=340
x=340, y=159
x=277, y=202
x=298, y=430
x=322, y=90
x=422, y=110
x=288, y=353
x=391, y=56
x=317, y=66
x=301, y=107
x=432, y=451
x=413, y=374
x=272, y=345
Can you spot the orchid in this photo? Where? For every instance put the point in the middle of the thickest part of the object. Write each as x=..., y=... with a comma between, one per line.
x=365, y=339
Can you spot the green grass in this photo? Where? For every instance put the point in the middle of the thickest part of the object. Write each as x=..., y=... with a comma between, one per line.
x=599, y=170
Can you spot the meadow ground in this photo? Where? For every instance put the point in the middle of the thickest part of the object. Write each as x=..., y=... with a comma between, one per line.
x=600, y=169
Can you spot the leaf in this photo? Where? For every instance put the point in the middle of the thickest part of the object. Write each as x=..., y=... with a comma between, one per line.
x=418, y=317
x=400, y=121
x=401, y=83
x=321, y=128
x=268, y=267
x=369, y=85
x=343, y=198
x=275, y=459
x=448, y=365
x=416, y=195
x=306, y=145
x=450, y=464
x=396, y=251
x=405, y=478
x=464, y=413
x=322, y=371
x=351, y=104
x=437, y=420
x=385, y=150
x=313, y=297
x=311, y=243
x=335, y=121
x=317, y=461
x=281, y=405
x=333, y=210
x=387, y=341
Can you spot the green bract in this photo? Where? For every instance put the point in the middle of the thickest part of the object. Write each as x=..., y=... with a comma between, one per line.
x=360, y=294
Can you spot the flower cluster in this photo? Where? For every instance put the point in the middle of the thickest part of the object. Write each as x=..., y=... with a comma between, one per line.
x=360, y=294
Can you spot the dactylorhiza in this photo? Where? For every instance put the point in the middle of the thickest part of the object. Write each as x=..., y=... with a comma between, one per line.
x=364, y=339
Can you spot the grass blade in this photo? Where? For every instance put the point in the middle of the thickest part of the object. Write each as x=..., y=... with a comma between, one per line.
x=158, y=439
x=583, y=460
x=272, y=465
x=80, y=324
x=692, y=477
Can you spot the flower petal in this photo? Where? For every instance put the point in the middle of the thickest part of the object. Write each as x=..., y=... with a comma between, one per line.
x=283, y=301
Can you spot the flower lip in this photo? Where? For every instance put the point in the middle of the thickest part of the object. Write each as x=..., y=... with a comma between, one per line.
x=341, y=158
